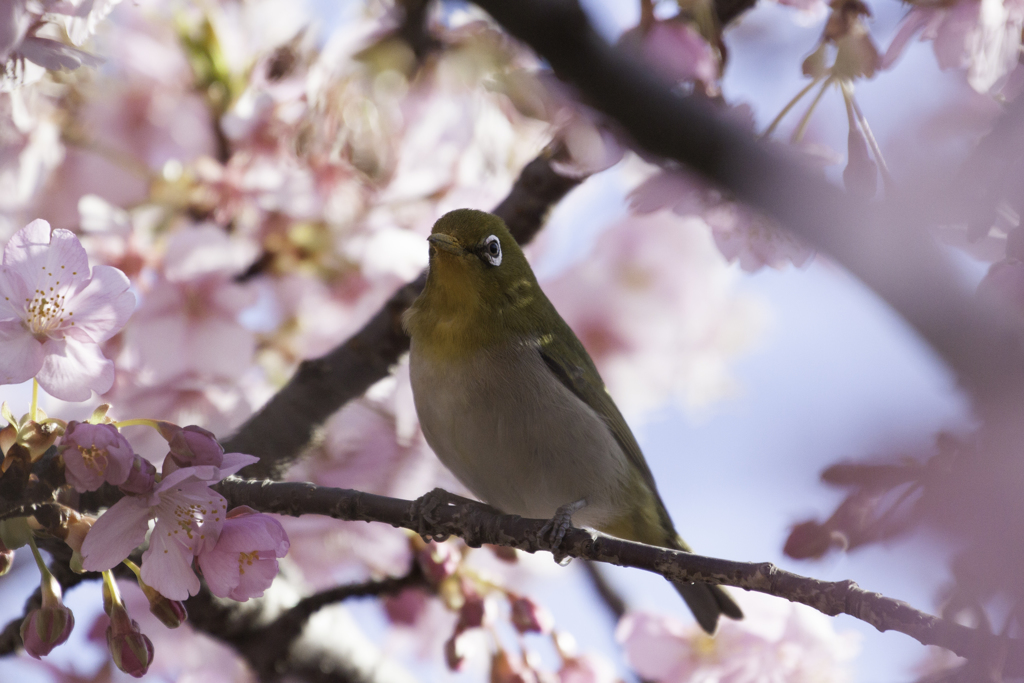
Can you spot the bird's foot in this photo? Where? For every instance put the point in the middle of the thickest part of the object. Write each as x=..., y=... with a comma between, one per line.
x=551, y=534
x=424, y=512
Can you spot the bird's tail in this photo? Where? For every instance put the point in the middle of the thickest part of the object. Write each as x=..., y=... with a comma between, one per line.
x=707, y=602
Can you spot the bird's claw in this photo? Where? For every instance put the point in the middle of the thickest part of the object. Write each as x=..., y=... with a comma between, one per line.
x=553, y=532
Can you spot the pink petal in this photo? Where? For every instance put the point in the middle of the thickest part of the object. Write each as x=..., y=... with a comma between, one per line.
x=104, y=305
x=167, y=567
x=34, y=250
x=220, y=571
x=912, y=23
x=117, y=532
x=55, y=55
x=72, y=370
x=21, y=354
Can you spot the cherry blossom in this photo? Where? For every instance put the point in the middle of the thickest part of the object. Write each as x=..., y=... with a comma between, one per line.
x=188, y=320
x=243, y=563
x=657, y=328
x=982, y=36
x=189, y=516
x=777, y=641
x=95, y=453
x=55, y=313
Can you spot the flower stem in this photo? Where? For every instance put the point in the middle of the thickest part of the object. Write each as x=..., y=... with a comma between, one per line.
x=35, y=400
x=789, y=106
x=39, y=558
x=139, y=421
x=866, y=129
x=798, y=134
x=111, y=585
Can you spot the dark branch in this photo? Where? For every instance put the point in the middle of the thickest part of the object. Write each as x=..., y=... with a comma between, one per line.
x=477, y=524
x=281, y=429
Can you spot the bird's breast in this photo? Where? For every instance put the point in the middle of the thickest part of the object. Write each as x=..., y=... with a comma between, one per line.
x=515, y=436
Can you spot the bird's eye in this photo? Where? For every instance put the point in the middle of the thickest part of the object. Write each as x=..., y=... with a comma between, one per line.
x=492, y=250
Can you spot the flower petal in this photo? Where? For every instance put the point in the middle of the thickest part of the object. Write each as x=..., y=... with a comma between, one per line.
x=118, y=531
x=167, y=567
x=103, y=306
x=38, y=254
x=72, y=370
x=21, y=354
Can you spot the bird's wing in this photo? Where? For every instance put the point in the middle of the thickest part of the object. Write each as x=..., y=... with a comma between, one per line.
x=569, y=362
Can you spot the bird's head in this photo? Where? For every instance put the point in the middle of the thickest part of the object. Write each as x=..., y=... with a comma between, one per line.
x=479, y=279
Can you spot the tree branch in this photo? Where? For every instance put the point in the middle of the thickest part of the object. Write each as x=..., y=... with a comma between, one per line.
x=478, y=524
x=285, y=425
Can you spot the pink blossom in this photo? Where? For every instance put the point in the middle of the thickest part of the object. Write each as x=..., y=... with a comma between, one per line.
x=55, y=313
x=189, y=517
x=188, y=321
x=677, y=50
x=655, y=306
x=778, y=640
x=95, y=453
x=983, y=36
x=243, y=563
x=740, y=233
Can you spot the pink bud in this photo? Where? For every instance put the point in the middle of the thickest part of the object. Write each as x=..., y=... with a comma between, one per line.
x=171, y=613
x=130, y=649
x=141, y=476
x=528, y=616
x=406, y=607
x=190, y=446
x=46, y=628
x=438, y=561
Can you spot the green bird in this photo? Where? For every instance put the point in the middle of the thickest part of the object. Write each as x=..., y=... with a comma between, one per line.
x=512, y=404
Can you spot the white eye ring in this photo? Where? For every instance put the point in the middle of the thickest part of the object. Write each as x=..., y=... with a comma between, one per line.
x=492, y=250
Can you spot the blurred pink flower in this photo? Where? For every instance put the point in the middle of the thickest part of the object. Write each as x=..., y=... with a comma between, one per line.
x=55, y=313
x=676, y=49
x=654, y=304
x=588, y=668
x=777, y=641
x=189, y=319
x=93, y=454
x=243, y=563
x=21, y=24
x=740, y=233
x=982, y=36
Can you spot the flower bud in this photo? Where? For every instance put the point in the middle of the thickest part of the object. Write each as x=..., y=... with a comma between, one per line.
x=528, y=616
x=438, y=561
x=130, y=649
x=48, y=626
x=141, y=476
x=171, y=613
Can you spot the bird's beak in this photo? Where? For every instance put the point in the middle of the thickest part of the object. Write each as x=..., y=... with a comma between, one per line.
x=446, y=243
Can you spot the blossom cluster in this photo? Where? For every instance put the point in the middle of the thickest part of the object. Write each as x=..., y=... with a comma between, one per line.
x=57, y=311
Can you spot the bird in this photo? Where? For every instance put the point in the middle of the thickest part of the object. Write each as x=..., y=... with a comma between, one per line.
x=512, y=404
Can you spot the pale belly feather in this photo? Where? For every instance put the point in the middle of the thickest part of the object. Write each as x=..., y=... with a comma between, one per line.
x=518, y=439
